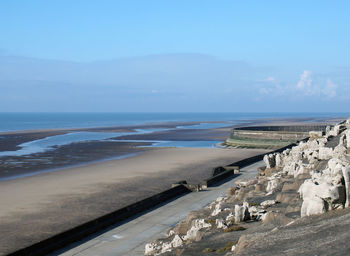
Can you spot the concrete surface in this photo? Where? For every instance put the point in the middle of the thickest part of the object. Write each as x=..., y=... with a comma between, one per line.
x=130, y=238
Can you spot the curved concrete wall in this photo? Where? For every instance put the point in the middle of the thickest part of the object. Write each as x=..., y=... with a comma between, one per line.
x=270, y=136
x=281, y=128
x=274, y=132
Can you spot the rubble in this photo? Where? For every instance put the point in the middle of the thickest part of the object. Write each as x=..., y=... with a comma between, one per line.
x=311, y=178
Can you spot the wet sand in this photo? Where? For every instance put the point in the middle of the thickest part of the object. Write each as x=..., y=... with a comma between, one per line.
x=74, y=154
x=37, y=207
x=83, y=153
x=10, y=140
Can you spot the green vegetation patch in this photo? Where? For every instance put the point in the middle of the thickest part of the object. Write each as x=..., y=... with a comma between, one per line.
x=254, y=204
x=211, y=221
x=235, y=228
x=227, y=247
x=256, y=143
x=209, y=250
x=224, y=249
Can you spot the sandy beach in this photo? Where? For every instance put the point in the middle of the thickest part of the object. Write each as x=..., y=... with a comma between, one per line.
x=37, y=207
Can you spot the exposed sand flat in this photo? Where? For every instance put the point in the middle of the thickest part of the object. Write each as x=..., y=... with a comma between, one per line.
x=28, y=194
x=37, y=207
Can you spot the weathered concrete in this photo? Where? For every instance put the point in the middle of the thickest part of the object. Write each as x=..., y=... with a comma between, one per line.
x=270, y=136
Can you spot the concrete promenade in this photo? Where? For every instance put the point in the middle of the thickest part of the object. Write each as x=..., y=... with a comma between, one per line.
x=130, y=238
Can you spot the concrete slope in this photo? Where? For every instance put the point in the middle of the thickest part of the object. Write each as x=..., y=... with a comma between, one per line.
x=324, y=234
x=131, y=237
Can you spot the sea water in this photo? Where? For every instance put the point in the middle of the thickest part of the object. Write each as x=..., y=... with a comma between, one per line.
x=34, y=121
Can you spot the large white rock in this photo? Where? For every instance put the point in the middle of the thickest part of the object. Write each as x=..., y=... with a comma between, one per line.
x=335, y=166
x=217, y=209
x=152, y=248
x=197, y=225
x=272, y=186
x=322, y=142
x=230, y=217
x=312, y=206
x=256, y=213
x=347, y=136
x=279, y=160
x=313, y=145
x=220, y=223
x=325, y=153
x=270, y=161
x=300, y=170
x=290, y=168
x=177, y=241
x=241, y=212
x=323, y=189
x=346, y=175
x=335, y=131
x=166, y=247
x=342, y=140
x=347, y=123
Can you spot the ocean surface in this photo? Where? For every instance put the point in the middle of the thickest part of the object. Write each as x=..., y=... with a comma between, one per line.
x=33, y=121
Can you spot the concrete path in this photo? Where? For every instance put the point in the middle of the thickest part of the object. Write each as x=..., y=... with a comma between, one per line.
x=130, y=238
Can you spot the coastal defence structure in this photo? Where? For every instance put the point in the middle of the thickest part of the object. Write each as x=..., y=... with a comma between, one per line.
x=270, y=137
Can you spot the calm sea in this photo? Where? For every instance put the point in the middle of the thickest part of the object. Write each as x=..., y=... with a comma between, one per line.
x=32, y=121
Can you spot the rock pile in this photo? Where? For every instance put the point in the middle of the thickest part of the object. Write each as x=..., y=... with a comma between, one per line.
x=310, y=178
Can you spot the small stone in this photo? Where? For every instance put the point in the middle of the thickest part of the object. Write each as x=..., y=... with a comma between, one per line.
x=268, y=203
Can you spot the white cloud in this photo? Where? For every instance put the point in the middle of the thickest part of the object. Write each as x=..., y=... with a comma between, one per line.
x=305, y=80
x=308, y=87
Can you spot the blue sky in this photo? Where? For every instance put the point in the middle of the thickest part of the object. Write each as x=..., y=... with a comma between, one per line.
x=176, y=54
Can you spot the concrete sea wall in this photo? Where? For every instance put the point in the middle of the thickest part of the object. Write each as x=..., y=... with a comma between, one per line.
x=272, y=137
